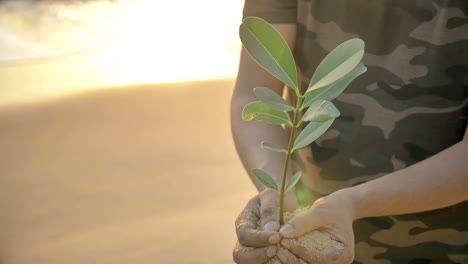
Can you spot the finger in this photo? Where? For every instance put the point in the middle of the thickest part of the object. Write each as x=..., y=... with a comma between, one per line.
x=252, y=255
x=287, y=257
x=302, y=223
x=319, y=254
x=246, y=227
x=269, y=209
x=250, y=215
x=257, y=238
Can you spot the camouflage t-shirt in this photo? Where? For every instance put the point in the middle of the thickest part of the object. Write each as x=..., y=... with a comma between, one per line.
x=411, y=104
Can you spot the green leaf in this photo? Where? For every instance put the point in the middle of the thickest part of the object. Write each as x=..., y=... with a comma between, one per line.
x=265, y=178
x=321, y=111
x=272, y=99
x=294, y=179
x=311, y=132
x=331, y=91
x=268, y=48
x=337, y=63
x=273, y=146
x=260, y=111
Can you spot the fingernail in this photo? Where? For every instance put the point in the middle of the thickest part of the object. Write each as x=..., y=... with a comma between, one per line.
x=274, y=239
x=271, y=252
x=287, y=230
x=271, y=226
x=286, y=243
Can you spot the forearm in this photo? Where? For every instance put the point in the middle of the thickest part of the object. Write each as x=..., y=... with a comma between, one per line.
x=436, y=182
x=249, y=135
x=248, y=138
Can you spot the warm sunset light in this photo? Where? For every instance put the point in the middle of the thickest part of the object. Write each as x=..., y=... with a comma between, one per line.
x=61, y=49
x=127, y=136
x=176, y=41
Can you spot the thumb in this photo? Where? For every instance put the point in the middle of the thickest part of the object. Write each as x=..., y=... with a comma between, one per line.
x=269, y=210
x=300, y=224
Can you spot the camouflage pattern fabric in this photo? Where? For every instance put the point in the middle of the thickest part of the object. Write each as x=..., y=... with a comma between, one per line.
x=411, y=104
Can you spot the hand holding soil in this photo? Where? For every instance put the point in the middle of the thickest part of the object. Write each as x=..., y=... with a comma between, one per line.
x=322, y=233
x=319, y=234
x=257, y=228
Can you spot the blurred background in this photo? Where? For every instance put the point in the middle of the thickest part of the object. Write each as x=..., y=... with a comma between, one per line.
x=114, y=131
x=104, y=43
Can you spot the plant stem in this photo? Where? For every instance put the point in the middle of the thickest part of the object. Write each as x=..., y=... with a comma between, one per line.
x=288, y=156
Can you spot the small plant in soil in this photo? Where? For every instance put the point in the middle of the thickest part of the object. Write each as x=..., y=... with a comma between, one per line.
x=313, y=112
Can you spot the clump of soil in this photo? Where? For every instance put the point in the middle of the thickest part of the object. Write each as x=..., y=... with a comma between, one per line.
x=316, y=239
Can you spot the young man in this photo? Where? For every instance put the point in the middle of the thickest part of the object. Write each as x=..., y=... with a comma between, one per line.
x=389, y=179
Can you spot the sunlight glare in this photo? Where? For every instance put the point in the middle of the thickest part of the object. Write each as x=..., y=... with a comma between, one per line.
x=176, y=40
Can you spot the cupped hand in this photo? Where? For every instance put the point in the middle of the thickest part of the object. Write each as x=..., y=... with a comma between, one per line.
x=257, y=228
x=332, y=215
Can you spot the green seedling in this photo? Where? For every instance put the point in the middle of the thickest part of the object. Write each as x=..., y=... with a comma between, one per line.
x=268, y=48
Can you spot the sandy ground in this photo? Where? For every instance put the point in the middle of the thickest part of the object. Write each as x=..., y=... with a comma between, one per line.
x=144, y=174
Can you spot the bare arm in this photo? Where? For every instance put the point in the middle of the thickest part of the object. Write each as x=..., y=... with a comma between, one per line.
x=249, y=135
x=261, y=244
x=436, y=182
